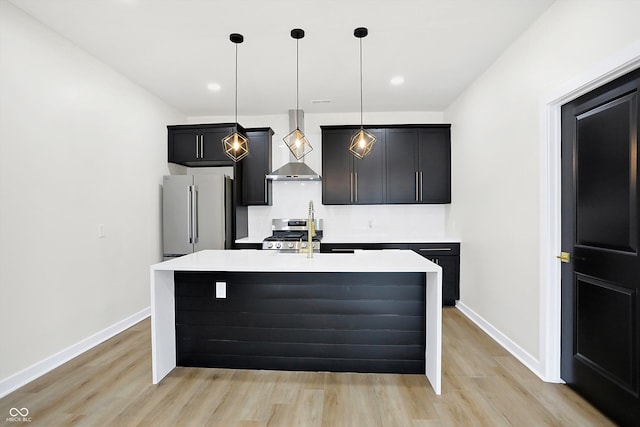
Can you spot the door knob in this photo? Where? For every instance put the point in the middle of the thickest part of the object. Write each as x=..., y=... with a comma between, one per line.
x=564, y=257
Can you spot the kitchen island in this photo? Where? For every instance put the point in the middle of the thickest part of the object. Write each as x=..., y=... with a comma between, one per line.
x=211, y=286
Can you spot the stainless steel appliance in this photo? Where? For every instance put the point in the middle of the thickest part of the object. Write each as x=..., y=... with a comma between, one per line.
x=196, y=213
x=290, y=235
x=295, y=170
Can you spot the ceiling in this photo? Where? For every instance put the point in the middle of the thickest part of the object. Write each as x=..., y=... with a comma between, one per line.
x=175, y=48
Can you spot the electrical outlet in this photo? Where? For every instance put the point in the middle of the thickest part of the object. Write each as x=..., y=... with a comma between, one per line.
x=221, y=289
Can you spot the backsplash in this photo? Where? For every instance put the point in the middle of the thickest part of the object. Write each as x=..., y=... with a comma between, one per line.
x=291, y=200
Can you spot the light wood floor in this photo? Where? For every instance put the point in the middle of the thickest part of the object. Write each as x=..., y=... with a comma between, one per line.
x=482, y=385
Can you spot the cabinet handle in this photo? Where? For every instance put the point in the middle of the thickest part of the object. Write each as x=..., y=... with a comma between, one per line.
x=421, y=198
x=356, y=186
x=342, y=250
x=189, y=214
x=266, y=196
x=197, y=147
x=434, y=249
x=194, y=212
x=351, y=187
x=417, y=186
x=202, y=146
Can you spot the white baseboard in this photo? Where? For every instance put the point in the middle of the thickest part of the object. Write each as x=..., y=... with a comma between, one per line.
x=29, y=374
x=518, y=352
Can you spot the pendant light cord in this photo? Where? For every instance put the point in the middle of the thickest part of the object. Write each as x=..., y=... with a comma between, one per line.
x=236, y=83
x=297, y=84
x=361, y=120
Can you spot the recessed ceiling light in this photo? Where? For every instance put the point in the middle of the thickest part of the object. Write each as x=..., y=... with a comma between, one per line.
x=397, y=80
x=214, y=87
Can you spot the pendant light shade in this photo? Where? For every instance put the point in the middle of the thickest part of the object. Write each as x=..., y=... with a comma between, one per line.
x=362, y=142
x=236, y=145
x=296, y=141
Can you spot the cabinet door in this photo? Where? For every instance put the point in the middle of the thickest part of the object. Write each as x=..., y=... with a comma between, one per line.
x=337, y=173
x=211, y=149
x=446, y=255
x=183, y=145
x=256, y=189
x=402, y=177
x=434, y=165
x=368, y=175
x=450, y=278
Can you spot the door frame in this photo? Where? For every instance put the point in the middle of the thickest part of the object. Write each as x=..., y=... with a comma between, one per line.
x=617, y=65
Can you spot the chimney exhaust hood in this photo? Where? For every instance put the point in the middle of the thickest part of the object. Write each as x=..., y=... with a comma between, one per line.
x=294, y=170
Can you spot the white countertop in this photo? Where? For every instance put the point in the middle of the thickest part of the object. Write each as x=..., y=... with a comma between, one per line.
x=366, y=238
x=254, y=260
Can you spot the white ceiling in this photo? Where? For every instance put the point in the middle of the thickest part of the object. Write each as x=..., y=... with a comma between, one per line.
x=174, y=48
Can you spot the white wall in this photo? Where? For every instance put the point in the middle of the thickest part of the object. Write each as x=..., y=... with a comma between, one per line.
x=79, y=146
x=290, y=199
x=496, y=174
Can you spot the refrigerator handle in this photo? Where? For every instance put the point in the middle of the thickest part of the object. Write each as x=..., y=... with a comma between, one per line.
x=194, y=214
x=189, y=214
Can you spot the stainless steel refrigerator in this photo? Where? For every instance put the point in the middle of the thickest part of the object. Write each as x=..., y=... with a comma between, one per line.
x=197, y=213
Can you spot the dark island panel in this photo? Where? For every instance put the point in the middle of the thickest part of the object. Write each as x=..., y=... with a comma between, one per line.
x=301, y=335
x=306, y=364
x=356, y=322
x=305, y=321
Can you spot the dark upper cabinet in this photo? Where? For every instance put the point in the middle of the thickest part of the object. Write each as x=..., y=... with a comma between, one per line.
x=368, y=182
x=434, y=165
x=255, y=188
x=401, y=166
x=199, y=145
x=408, y=164
x=419, y=165
x=336, y=167
x=347, y=179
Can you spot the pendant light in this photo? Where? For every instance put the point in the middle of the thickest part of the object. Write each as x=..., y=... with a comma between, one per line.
x=296, y=141
x=363, y=141
x=236, y=145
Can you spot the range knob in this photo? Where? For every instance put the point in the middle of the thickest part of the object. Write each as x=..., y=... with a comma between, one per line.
x=278, y=245
x=270, y=245
x=290, y=245
x=304, y=244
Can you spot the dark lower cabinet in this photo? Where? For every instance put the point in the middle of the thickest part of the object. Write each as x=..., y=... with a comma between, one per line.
x=255, y=246
x=340, y=322
x=446, y=255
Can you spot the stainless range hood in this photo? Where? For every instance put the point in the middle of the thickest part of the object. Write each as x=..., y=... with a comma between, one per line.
x=295, y=170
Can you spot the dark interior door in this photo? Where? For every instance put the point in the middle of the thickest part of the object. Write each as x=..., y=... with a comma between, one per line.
x=601, y=269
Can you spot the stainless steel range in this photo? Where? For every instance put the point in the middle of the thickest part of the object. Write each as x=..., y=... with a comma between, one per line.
x=291, y=235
